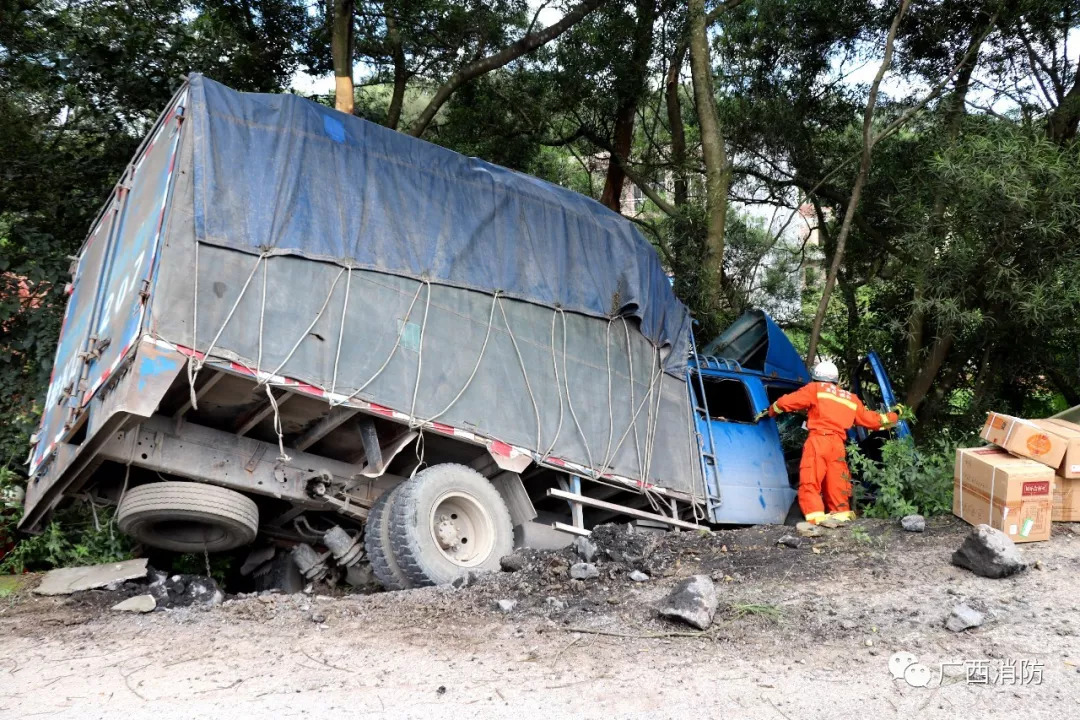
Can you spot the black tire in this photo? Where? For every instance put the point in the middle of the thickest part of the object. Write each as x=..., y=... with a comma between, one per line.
x=420, y=556
x=377, y=543
x=188, y=517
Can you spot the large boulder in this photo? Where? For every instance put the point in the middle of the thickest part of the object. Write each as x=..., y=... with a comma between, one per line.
x=692, y=601
x=990, y=553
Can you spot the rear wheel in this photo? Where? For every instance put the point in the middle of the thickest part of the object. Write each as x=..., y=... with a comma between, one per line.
x=377, y=543
x=188, y=517
x=447, y=521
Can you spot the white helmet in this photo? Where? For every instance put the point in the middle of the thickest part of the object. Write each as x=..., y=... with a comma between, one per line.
x=825, y=371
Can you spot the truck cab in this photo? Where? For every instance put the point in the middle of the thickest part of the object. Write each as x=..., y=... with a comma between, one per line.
x=751, y=470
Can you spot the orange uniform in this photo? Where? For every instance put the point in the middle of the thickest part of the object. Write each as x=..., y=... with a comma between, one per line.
x=830, y=412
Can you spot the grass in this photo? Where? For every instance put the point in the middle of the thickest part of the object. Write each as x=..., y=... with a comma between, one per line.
x=763, y=610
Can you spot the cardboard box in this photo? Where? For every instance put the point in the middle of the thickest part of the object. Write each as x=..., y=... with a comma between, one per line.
x=1025, y=438
x=1006, y=492
x=1070, y=464
x=1066, y=500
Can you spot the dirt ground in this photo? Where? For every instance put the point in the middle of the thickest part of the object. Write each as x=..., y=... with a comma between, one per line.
x=802, y=632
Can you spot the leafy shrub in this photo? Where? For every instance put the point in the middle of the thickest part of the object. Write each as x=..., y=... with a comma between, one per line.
x=907, y=480
x=74, y=537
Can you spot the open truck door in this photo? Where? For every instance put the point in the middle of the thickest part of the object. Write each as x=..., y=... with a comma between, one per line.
x=872, y=385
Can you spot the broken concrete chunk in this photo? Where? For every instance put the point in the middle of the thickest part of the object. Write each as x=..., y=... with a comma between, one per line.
x=790, y=541
x=913, y=523
x=555, y=603
x=990, y=553
x=638, y=576
x=512, y=562
x=583, y=571
x=808, y=529
x=585, y=548
x=964, y=617
x=64, y=581
x=692, y=601
x=137, y=604
x=506, y=606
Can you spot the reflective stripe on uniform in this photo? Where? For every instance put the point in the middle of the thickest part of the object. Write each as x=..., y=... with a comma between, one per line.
x=842, y=401
x=776, y=409
x=885, y=422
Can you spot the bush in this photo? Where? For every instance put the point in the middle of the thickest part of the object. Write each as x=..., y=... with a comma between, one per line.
x=78, y=535
x=907, y=480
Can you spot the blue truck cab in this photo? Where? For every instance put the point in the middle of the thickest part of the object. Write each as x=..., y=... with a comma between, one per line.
x=751, y=470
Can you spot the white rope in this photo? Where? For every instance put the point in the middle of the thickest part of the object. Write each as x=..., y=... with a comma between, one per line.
x=525, y=374
x=487, y=336
x=570, y=401
x=282, y=455
x=630, y=363
x=558, y=387
x=610, y=411
x=194, y=372
x=419, y=361
x=341, y=331
x=308, y=329
x=389, y=357
x=640, y=407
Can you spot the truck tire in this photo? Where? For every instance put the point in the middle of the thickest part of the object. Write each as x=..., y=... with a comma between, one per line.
x=446, y=521
x=188, y=517
x=377, y=543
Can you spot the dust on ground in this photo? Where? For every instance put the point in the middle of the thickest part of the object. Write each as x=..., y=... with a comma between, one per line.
x=803, y=632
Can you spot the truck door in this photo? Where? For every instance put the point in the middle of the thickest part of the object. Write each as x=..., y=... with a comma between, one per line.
x=747, y=463
x=872, y=385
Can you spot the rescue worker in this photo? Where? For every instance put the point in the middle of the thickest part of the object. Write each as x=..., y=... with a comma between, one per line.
x=830, y=412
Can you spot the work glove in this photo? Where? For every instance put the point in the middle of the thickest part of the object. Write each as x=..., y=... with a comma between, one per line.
x=761, y=416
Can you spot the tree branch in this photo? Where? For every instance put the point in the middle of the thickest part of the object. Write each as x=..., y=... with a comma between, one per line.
x=497, y=60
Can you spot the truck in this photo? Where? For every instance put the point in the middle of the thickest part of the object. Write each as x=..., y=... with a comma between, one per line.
x=292, y=328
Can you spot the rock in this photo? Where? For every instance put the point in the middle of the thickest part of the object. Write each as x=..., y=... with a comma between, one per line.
x=964, y=617
x=585, y=548
x=318, y=618
x=137, y=604
x=989, y=553
x=64, y=581
x=583, y=571
x=512, y=562
x=848, y=624
x=555, y=603
x=506, y=606
x=693, y=601
x=201, y=591
x=175, y=585
x=638, y=576
x=808, y=529
x=790, y=541
x=464, y=581
x=913, y=523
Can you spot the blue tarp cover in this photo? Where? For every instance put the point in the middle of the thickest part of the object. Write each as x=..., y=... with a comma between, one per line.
x=278, y=173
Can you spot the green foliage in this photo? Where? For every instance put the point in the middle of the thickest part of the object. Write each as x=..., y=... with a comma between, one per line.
x=217, y=566
x=72, y=538
x=908, y=479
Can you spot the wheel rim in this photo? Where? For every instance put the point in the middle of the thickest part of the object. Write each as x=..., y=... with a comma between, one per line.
x=462, y=529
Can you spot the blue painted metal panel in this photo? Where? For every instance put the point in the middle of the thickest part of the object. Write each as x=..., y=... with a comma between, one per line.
x=887, y=394
x=133, y=253
x=63, y=395
x=749, y=470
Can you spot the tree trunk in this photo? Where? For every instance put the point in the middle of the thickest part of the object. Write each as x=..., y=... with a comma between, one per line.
x=622, y=141
x=341, y=51
x=401, y=73
x=1064, y=120
x=497, y=60
x=856, y=190
x=631, y=79
x=954, y=116
x=922, y=383
x=717, y=172
x=672, y=90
